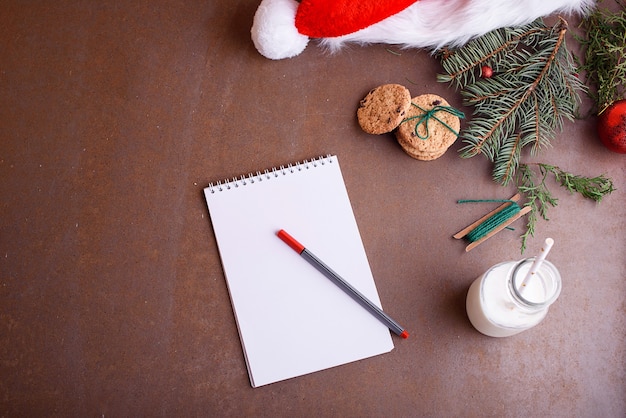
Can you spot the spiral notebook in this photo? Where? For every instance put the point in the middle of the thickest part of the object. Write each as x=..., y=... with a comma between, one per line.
x=291, y=319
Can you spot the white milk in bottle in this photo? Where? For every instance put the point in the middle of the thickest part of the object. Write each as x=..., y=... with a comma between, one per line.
x=498, y=305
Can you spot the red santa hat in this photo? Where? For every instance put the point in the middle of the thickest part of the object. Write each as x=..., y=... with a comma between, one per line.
x=282, y=28
x=331, y=18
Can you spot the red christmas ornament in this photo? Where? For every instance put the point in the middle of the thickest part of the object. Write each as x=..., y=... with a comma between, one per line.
x=486, y=71
x=612, y=127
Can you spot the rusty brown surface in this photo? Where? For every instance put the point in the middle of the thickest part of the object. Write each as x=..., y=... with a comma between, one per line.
x=115, y=115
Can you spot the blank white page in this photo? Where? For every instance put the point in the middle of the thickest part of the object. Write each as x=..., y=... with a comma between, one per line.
x=293, y=320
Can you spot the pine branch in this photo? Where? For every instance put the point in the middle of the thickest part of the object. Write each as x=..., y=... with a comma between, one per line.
x=533, y=88
x=539, y=197
x=460, y=65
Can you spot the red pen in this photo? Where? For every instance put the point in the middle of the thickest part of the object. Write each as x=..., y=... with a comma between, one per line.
x=345, y=286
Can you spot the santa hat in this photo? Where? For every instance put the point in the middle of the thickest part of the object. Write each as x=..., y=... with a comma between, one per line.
x=282, y=28
x=331, y=18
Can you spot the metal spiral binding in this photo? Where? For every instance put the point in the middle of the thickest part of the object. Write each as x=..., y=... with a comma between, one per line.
x=267, y=174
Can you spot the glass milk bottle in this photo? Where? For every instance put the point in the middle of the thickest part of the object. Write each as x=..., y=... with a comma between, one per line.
x=499, y=304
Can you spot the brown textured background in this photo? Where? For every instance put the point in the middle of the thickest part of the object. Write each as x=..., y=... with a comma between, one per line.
x=113, y=117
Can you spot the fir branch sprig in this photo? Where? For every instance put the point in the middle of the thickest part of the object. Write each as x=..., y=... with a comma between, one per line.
x=460, y=64
x=604, y=58
x=534, y=87
x=539, y=197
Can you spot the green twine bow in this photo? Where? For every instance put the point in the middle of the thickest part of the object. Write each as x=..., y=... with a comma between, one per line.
x=428, y=114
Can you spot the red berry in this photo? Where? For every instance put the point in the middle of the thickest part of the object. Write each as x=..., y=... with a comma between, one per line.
x=486, y=71
x=612, y=127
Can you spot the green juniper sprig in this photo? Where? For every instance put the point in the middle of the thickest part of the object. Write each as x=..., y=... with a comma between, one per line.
x=539, y=197
x=604, y=58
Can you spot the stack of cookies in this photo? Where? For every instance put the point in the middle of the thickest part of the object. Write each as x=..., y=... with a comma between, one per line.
x=425, y=126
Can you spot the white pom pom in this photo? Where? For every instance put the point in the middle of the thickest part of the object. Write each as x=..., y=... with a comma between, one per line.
x=274, y=30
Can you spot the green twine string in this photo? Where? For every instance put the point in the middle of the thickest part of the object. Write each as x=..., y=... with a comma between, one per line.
x=492, y=222
x=428, y=114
